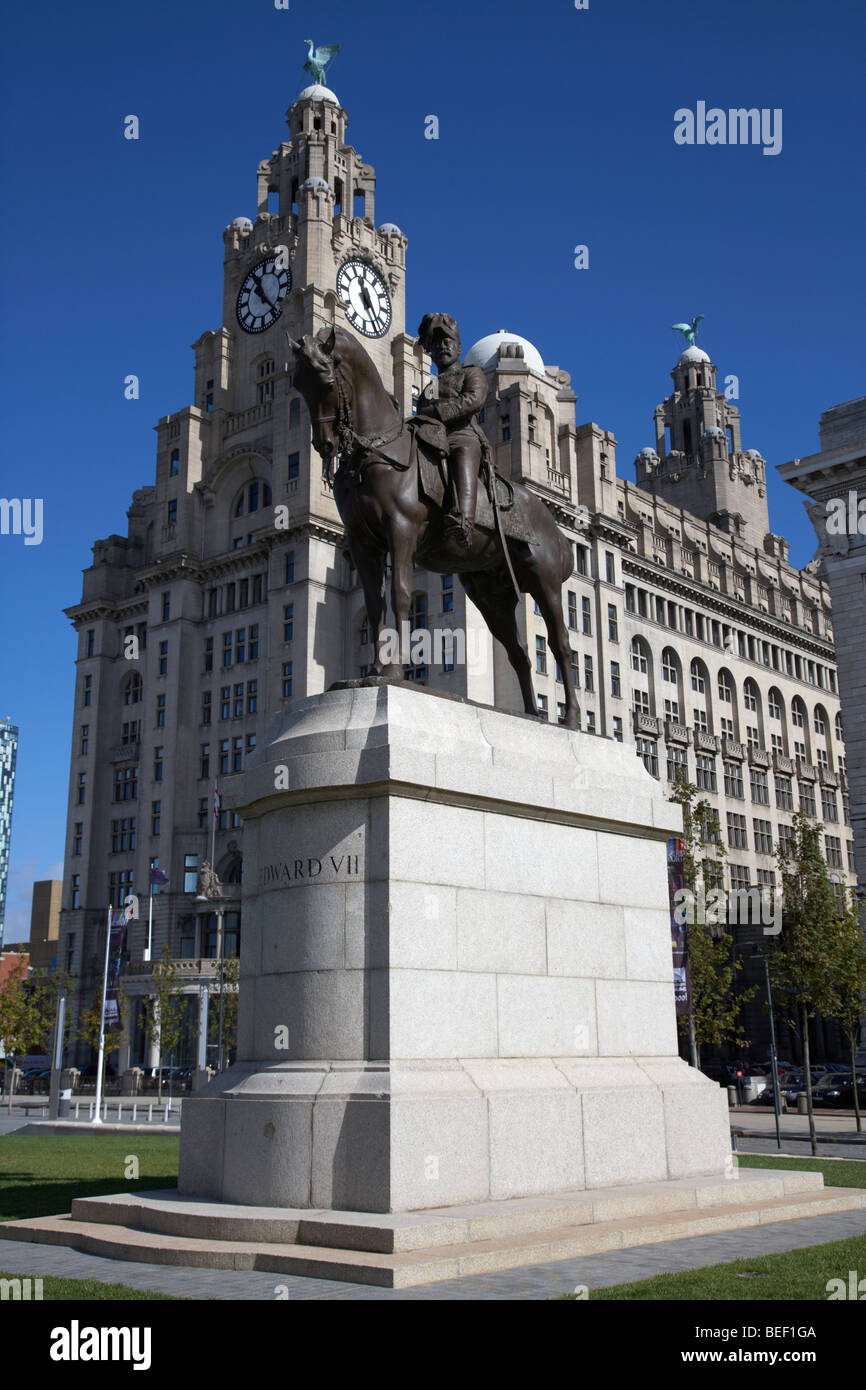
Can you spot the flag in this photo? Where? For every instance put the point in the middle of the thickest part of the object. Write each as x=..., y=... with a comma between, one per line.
x=157, y=878
x=117, y=942
x=217, y=802
x=121, y=915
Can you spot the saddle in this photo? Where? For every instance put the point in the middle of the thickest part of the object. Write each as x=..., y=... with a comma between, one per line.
x=434, y=484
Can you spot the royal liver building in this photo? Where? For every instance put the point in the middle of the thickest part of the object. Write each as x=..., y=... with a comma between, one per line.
x=229, y=596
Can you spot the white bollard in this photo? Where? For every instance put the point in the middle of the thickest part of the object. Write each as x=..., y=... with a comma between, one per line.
x=165, y=1116
x=134, y=1111
x=149, y=1114
x=77, y=1108
x=90, y=1110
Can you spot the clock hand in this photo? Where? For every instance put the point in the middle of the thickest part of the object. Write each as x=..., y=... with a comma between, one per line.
x=365, y=295
x=260, y=291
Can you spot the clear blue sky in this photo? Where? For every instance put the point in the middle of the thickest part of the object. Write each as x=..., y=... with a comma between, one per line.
x=556, y=128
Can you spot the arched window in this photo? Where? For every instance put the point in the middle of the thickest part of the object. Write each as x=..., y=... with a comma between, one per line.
x=132, y=689
x=839, y=734
x=699, y=684
x=638, y=656
x=726, y=688
x=775, y=704
x=252, y=497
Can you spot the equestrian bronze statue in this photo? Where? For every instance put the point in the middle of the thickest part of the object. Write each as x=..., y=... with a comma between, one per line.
x=424, y=491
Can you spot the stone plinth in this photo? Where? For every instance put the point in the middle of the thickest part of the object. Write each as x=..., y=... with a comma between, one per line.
x=456, y=976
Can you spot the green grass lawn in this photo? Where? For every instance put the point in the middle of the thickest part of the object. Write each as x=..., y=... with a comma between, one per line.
x=40, y=1174
x=794, y=1276
x=838, y=1172
x=73, y=1290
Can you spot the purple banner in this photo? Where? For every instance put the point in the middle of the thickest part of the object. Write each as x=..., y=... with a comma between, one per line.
x=679, y=940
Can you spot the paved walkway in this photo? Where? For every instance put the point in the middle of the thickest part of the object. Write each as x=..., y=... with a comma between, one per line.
x=534, y=1282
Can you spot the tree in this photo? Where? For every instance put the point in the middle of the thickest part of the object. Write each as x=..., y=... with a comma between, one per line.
x=89, y=1026
x=804, y=957
x=18, y=1031
x=716, y=1002
x=164, y=1018
x=231, y=971
x=850, y=982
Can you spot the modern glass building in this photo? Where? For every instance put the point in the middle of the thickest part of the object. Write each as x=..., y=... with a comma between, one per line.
x=8, y=759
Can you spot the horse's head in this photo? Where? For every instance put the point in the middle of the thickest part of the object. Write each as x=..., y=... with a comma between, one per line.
x=314, y=376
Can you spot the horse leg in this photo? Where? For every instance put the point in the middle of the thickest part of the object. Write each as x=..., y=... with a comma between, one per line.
x=497, y=603
x=402, y=540
x=549, y=598
x=370, y=565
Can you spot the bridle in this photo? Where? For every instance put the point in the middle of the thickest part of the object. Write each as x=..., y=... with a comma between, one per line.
x=351, y=441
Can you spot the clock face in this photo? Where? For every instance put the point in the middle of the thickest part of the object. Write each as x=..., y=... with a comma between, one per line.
x=260, y=296
x=365, y=299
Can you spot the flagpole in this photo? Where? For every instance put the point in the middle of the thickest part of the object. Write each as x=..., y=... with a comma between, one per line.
x=149, y=919
x=97, y=1118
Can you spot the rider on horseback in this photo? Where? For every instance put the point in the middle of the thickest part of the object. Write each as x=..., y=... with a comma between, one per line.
x=447, y=422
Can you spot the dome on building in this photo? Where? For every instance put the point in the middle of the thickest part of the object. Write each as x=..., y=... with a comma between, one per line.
x=317, y=92
x=485, y=352
x=692, y=354
x=390, y=229
x=243, y=224
x=315, y=185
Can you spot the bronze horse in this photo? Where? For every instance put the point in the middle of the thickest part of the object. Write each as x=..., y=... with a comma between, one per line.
x=387, y=511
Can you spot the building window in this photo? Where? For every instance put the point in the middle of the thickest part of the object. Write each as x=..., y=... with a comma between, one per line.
x=204, y=760
x=587, y=616
x=647, y=750
x=737, y=836
x=294, y=466
x=82, y=789
x=758, y=786
x=224, y=756
x=615, y=682
x=87, y=694
x=726, y=726
x=208, y=654
x=126, y=783
x=448, y=593
x=678, y=764
x=752, y=739
x=699, y=720
x=174, y=463
x=588, y=678
x=829, y=805
x=590, y=721
x=698, y=683
x=163, y=659
x=798, y=714
x=76, y=902
x=155, y=817
x=541, y=656
x=78, y=838
x=166, y=607
x=288, y=622
x=542, y=705
x=640, y=701
x=505, y=424
x=290, y=566
x=190, y=873
x=123, y=835
x=774, y=708
x=617, y=728
x=763, y=836
x=580, y=560
x=672, y=711
x=239, y=701
x=638, y=657
x=572, y=611
x=252, y=697
x=91, y=642
x=254, y=642
x=833, y=851
x=734, y=781
x=705, y=772
x=287, y=680
x=119, y=886
x=160, y=711
x=237, y=754
x=807, y=798
x=158, y=756
x=669, y=670
x=171, y=515
x=612, y=623
x=294, y=412
x=85, y=739
x=820, y=723
x=609, y=567
x=228, y=638
x=225, y=702
x=726, y=694
x=740, y=878
x=206, y=707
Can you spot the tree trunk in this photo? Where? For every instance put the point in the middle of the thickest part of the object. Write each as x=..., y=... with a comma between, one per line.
x=852, y=1038
x=693, y=1045
x=804, y=1030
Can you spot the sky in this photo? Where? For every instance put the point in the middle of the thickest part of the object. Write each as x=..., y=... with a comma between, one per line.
x=556, y=130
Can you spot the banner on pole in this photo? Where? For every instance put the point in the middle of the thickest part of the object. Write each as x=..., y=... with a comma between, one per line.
x=116, y=946
x=679, y=939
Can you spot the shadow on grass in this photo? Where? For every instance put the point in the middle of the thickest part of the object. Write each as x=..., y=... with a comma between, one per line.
x=38, y=1198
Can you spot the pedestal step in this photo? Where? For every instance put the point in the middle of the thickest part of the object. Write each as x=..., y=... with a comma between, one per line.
x=400, y=1251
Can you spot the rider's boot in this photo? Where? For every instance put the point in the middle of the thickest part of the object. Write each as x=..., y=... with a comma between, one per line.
x=457, y=530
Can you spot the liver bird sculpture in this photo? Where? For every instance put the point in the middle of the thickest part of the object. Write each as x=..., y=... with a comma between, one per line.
x=689, y=329
x=317, y=58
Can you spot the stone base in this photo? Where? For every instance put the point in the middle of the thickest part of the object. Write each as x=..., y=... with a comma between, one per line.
x=399, y=1251
x=408, y=1136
